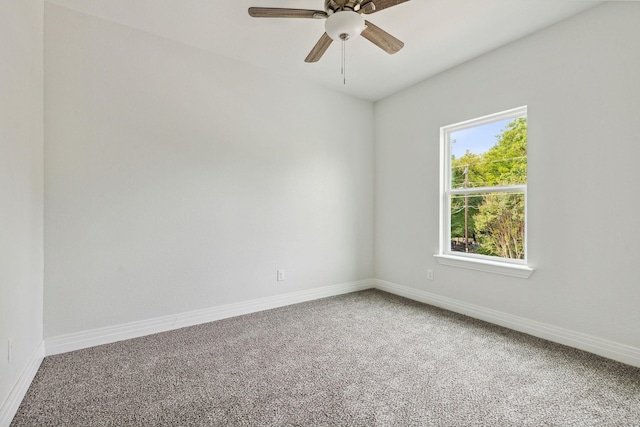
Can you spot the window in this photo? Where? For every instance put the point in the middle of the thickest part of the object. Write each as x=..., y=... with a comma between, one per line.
x=484, y=193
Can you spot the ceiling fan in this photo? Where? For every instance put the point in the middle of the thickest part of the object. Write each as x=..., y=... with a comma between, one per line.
x=343, y=21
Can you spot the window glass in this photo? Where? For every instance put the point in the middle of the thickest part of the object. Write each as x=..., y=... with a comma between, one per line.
x=494, y=224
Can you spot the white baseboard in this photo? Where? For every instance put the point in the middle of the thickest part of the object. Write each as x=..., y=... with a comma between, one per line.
x=11, y=405
x=77, y=341
x=609, y=349
x=110, y=334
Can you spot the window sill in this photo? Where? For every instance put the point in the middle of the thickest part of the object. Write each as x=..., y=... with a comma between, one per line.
x=504, y=268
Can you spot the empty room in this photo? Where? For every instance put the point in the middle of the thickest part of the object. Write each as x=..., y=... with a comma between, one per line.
x=308, y=212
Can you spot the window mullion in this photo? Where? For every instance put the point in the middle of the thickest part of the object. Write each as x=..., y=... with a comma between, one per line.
x=496, y=189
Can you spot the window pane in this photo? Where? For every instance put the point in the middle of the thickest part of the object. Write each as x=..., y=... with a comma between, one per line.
x=488, y=224
x=490, y=154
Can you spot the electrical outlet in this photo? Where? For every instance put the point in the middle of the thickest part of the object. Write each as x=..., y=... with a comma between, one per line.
x=430, y=274
x=280, y=275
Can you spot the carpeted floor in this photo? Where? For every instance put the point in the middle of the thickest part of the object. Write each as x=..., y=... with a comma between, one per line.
x=362, y=359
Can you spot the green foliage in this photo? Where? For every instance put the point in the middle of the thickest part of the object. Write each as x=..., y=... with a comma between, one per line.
x=469, y=162
x=506, y=162
x=457, y=214
x=495, y=220
x=500, y=225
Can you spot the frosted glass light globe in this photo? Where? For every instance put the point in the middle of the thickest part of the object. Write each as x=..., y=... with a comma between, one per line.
x=344, y=25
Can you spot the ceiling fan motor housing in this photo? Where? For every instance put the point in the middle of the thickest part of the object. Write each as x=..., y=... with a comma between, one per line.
x=332, y=6
x=344, y=25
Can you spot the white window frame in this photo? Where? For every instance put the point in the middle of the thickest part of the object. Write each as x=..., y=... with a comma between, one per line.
x=505, y=266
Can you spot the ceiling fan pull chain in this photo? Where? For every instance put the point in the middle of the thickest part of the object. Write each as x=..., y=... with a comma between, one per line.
x=344, y=64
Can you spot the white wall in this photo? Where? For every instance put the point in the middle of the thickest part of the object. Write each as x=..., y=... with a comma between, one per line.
x=178, y=180
x=580, y=81
x=21, y=197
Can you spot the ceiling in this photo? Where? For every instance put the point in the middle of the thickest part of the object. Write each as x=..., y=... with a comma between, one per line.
x=438, y=35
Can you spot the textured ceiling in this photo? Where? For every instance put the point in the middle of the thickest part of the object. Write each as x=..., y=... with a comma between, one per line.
x=438, y=34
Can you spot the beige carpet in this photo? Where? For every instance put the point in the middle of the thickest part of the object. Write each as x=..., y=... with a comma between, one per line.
x=362, y=359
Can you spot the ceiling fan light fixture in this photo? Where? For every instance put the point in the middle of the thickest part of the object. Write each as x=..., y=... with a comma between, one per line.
x=344, y=25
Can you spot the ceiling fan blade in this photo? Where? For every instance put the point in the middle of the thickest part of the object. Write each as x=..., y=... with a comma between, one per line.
x=378, y=5
x=381, y=38
x=319, y=49
x=275, y=12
